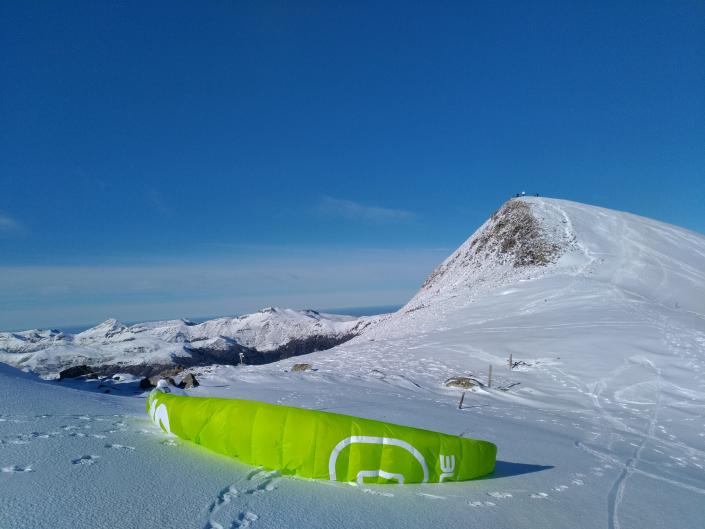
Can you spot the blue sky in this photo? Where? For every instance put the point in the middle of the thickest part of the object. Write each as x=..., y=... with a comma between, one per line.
x=187, y=159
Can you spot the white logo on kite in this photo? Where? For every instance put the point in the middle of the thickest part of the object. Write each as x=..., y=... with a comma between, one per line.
x=447, y=467
x=160, y=416
x=399, y=478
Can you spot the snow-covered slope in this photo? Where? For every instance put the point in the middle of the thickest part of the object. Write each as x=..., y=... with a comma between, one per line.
x=560, y=251
x=607, y=324
x=601, y=423
x=530, y=238
x=517, y=240
x=270, y=334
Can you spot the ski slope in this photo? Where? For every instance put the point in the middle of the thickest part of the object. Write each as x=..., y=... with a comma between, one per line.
x=602, y=423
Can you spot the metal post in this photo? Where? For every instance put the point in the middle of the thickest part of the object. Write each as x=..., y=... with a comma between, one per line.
x=510, y=361
x=489, y=378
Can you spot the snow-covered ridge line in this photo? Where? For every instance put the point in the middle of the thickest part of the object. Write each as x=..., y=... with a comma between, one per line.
x=518, y=240
x=144, y=348
x=546, y=242
x=542, y=241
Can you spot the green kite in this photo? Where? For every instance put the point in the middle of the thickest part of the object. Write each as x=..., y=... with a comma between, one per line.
x=321, y=445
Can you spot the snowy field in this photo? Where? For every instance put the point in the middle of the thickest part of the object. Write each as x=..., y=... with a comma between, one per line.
x=602, y=423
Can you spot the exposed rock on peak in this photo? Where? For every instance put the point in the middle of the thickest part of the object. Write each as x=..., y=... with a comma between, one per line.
x=519, y=235
x=513, y=236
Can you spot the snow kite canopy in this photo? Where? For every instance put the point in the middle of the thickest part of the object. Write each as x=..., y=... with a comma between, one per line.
x=321, y=445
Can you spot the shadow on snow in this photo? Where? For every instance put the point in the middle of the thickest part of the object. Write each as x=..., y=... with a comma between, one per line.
x=505, y=469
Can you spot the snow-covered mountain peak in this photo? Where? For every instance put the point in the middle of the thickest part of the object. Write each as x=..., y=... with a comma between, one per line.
x=518, y=240
x=107, y=329
x=516, y=235
x=557, y=248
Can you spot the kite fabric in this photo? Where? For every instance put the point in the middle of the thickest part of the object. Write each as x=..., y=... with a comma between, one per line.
x=321, y=445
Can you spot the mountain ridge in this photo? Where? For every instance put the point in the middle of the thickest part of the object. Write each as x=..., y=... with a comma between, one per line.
x=146, y=348
x=526, y=240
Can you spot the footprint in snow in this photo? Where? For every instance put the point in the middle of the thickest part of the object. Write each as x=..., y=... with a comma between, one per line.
x=85, y=460
x=260, y=474
x=499, y=495
x=119, y=447
x=560, y=488
x=269, y=486
x=39, y=435
x=245, y=519
x=430, y=496
x=253, y=474
x=482, y=504
x=17, y=468
x=224, y=498
x=169, y=442
x=539, y=495
x=77, y=434
x=266, y=481
x=378, y=493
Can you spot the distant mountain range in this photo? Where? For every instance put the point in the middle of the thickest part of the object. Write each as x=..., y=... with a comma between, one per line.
x=147, y=348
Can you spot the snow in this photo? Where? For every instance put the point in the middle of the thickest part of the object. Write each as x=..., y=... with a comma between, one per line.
x=601, y=425
x=113, y=346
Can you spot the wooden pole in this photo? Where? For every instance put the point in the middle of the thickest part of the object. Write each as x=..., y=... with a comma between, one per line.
x=510, y=361
x=462, y=398
x=489, y=378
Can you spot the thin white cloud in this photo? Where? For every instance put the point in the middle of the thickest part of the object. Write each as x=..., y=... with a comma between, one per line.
x=53, y=295
x=349, y=209
x=9, y=225
x=158, y=202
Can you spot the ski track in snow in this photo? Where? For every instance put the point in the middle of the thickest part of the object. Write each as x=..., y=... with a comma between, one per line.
x=614, y=424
